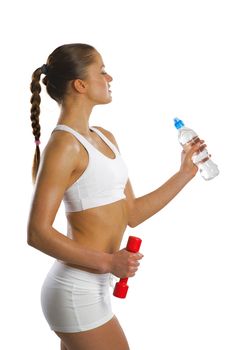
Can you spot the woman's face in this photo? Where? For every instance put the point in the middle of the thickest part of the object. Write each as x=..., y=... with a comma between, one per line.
x=98, y=82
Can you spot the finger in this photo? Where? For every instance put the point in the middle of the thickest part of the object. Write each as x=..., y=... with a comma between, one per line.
x=193, y=150
x=136, y=259
x=136, y=256
x=131, y=274
x=139, y=256
x=133, y=270
x=202, y=147
x=134, y=264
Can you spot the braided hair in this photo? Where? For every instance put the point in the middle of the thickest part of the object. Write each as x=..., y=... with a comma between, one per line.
x=64, y=64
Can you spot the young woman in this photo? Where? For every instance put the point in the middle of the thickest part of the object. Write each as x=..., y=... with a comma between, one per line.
x=82, y=166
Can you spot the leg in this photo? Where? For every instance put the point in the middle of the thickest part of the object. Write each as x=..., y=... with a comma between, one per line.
x=63, y=347
x=109, y=336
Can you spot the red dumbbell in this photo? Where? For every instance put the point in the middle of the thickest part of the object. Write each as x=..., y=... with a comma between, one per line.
x=121, y=287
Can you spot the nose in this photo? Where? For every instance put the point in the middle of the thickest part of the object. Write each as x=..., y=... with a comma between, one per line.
x=109, y=78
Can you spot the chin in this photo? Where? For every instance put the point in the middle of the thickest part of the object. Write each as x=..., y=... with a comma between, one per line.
x=103, y=100
x=109, y=100
x=106, y=101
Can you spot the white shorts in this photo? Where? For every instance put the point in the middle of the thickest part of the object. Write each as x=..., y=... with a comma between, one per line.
x=74, y=300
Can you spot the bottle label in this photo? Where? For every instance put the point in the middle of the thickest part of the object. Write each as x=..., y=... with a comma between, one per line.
x=190, y=143
x=200, y=157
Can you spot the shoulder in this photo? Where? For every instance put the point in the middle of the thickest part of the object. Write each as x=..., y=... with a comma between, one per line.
x=61, y=152
x=108, y=134
x=62, y=144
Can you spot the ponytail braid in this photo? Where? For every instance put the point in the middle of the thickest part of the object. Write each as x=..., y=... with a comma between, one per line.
x=65, y=64
x=35, y=88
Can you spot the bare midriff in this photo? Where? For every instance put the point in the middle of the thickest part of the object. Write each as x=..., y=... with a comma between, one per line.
x=100, y=229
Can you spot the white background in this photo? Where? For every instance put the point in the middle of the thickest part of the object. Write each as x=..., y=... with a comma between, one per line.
x=168, y=58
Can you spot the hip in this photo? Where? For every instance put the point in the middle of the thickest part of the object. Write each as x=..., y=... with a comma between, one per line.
x=74, y=300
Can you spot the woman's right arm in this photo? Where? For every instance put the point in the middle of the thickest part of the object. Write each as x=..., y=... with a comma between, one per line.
x=57, y=166
x=58, y=163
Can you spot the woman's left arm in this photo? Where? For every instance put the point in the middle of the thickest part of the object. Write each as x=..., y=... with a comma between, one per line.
x=142, y=208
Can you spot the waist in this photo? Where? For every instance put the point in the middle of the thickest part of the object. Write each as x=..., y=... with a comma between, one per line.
x=62, y=271
x=104, y=241
x=99, y=229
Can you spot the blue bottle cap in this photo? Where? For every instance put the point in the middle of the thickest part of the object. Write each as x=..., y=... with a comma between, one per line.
x=178, y=123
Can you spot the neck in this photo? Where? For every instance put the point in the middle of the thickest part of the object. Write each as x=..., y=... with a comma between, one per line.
x=76, y=115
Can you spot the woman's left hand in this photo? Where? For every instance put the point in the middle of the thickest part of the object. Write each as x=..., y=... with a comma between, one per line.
x=187, y=166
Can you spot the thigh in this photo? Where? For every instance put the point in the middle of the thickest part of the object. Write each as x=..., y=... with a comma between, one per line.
x=63, y=347
x=109, y=336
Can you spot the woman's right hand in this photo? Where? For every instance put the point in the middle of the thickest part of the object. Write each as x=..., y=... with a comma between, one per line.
x=124, y=264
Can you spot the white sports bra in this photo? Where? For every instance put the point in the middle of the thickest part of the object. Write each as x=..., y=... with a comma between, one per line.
x=102, y=182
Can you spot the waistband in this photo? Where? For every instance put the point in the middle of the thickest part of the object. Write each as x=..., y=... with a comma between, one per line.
x=61, y=270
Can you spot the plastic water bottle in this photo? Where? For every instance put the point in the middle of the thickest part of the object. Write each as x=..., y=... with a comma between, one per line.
x=188, y=137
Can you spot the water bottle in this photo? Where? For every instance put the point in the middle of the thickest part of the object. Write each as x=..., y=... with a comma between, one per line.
x=188, y=137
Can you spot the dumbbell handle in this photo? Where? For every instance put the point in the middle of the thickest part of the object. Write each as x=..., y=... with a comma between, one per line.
x=121, y=287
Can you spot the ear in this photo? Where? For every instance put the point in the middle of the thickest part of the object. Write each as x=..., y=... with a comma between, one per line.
x=79, y=85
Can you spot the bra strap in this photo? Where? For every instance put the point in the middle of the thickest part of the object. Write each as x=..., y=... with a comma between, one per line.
x=105, y=139
x=77, y=135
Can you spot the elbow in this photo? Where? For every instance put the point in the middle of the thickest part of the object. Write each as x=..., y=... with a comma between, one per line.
x=34, y=235
x=132, y=218
x=132, y=223
x=31, y=234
